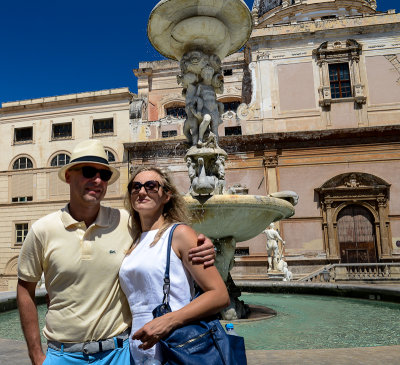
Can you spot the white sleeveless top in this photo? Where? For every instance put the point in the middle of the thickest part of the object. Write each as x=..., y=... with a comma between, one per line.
x=142, y=277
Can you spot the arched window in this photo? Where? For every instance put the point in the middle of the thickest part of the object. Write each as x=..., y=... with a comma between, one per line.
x=60, y=160
x=110, y=156
x=22, y=163
x=176, y=111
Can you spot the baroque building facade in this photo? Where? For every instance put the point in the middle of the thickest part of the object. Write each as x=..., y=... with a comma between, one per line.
x=312, y=105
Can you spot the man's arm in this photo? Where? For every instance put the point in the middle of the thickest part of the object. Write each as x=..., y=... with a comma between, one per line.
x=29, y=320
x=204, y=253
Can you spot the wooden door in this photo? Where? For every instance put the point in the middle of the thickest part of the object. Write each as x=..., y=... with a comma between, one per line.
x=356, y=235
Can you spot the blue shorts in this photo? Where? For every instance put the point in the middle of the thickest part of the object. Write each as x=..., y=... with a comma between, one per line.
x=119, y=356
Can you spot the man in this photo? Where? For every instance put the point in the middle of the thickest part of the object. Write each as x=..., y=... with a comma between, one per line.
x=272, y=246
x=80, y=249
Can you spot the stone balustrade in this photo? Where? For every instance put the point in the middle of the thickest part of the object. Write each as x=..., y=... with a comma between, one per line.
x=356, y=272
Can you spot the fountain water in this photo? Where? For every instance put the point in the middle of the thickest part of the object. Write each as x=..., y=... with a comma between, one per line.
x=198, y=34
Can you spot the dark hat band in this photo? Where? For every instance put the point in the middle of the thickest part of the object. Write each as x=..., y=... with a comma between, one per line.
x=90, y=159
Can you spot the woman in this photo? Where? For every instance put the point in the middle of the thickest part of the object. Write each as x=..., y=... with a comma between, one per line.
x=155, y=204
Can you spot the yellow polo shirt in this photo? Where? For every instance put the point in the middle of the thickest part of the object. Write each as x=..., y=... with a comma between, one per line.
x=81, y=268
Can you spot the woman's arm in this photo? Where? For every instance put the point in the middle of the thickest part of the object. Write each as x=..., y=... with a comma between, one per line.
x=214, y=298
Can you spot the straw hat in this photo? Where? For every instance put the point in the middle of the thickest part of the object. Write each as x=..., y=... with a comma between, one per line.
x=89, y=151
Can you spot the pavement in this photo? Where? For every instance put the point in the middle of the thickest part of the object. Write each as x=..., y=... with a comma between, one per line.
x=15, y=353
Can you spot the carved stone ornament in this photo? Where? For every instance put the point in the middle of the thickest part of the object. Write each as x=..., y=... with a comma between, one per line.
x=270, y=161
x=338, y=50
x=325, y=98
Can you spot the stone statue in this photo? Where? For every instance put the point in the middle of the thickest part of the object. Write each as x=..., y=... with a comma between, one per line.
x=220, y=173
x=203, y=184
x=201, y=79
x=272, y=246
x=282, y=266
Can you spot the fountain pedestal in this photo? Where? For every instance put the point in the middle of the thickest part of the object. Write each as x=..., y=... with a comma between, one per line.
x=199, y=34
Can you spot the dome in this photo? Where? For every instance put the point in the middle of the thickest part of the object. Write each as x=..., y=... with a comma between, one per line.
x=281, y=11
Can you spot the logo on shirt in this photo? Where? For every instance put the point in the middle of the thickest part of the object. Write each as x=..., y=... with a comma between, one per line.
x=112, y=251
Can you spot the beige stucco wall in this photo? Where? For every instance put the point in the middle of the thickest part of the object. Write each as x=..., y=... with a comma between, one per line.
x=383, y=80
x=296, y=86
x=303, y=236
x=343, y=115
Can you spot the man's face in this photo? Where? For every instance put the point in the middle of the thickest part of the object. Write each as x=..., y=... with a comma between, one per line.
x=83, y=190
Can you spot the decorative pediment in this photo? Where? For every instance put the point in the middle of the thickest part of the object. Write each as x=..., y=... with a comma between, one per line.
x=337, y=50
x=354, y=180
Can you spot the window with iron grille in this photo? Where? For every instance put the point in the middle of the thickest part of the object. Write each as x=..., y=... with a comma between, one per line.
x=177, y=112
x=339, y=77
x=103, y=126
x=60, y=160
x=62, y=130
x=110, y=156
x=233, y=131
x=166, y=134
x=231, y=106
x=21, y=230
x=23, y=134
x=22, y=163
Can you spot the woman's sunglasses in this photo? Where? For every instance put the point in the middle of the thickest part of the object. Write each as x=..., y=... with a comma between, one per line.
x=89, y=172
x=150, y=186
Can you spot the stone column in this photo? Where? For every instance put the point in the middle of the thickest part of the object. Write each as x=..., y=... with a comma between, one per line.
x=333, y=252
x=385, y=247
x=270, y=162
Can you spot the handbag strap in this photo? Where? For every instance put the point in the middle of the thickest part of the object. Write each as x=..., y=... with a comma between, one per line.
x=167, y=282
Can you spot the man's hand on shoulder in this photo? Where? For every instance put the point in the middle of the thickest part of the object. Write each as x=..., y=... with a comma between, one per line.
x=204, y=253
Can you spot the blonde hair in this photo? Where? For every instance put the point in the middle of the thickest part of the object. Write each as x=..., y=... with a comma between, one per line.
x=175, y=210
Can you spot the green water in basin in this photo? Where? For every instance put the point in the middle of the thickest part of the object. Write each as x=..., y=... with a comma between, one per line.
x=303, y=322
x=312, y=322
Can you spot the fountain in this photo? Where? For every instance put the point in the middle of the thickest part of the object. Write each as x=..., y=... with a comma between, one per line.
x=198, y=34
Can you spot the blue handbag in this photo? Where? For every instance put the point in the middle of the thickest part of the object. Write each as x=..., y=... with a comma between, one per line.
x=200, y=342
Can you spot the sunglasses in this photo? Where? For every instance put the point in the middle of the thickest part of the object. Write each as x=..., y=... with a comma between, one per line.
x=150, y=186
x=89, y=172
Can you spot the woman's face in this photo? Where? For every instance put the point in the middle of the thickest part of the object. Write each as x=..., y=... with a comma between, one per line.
x=152, y=199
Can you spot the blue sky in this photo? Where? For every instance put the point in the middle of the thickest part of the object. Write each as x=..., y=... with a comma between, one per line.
x=59, y=47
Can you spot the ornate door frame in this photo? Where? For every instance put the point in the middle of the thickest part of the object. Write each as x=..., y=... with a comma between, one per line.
x=363, y=189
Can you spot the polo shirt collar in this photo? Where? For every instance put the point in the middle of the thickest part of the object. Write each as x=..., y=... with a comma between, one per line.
x=101, y=219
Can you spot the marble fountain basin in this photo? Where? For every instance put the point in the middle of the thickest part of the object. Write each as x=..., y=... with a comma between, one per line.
x=241, y=217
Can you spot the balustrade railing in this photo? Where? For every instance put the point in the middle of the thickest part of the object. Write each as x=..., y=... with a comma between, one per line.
x=355, y=272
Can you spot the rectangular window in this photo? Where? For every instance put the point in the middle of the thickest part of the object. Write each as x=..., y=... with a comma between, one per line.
x=339, y=77
x=103, y=126
x=233, y=131
x=62, y=130
x=23, y=134
x=228, y=72
x=21, y=230
x=20, y=199
x=166, y=134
